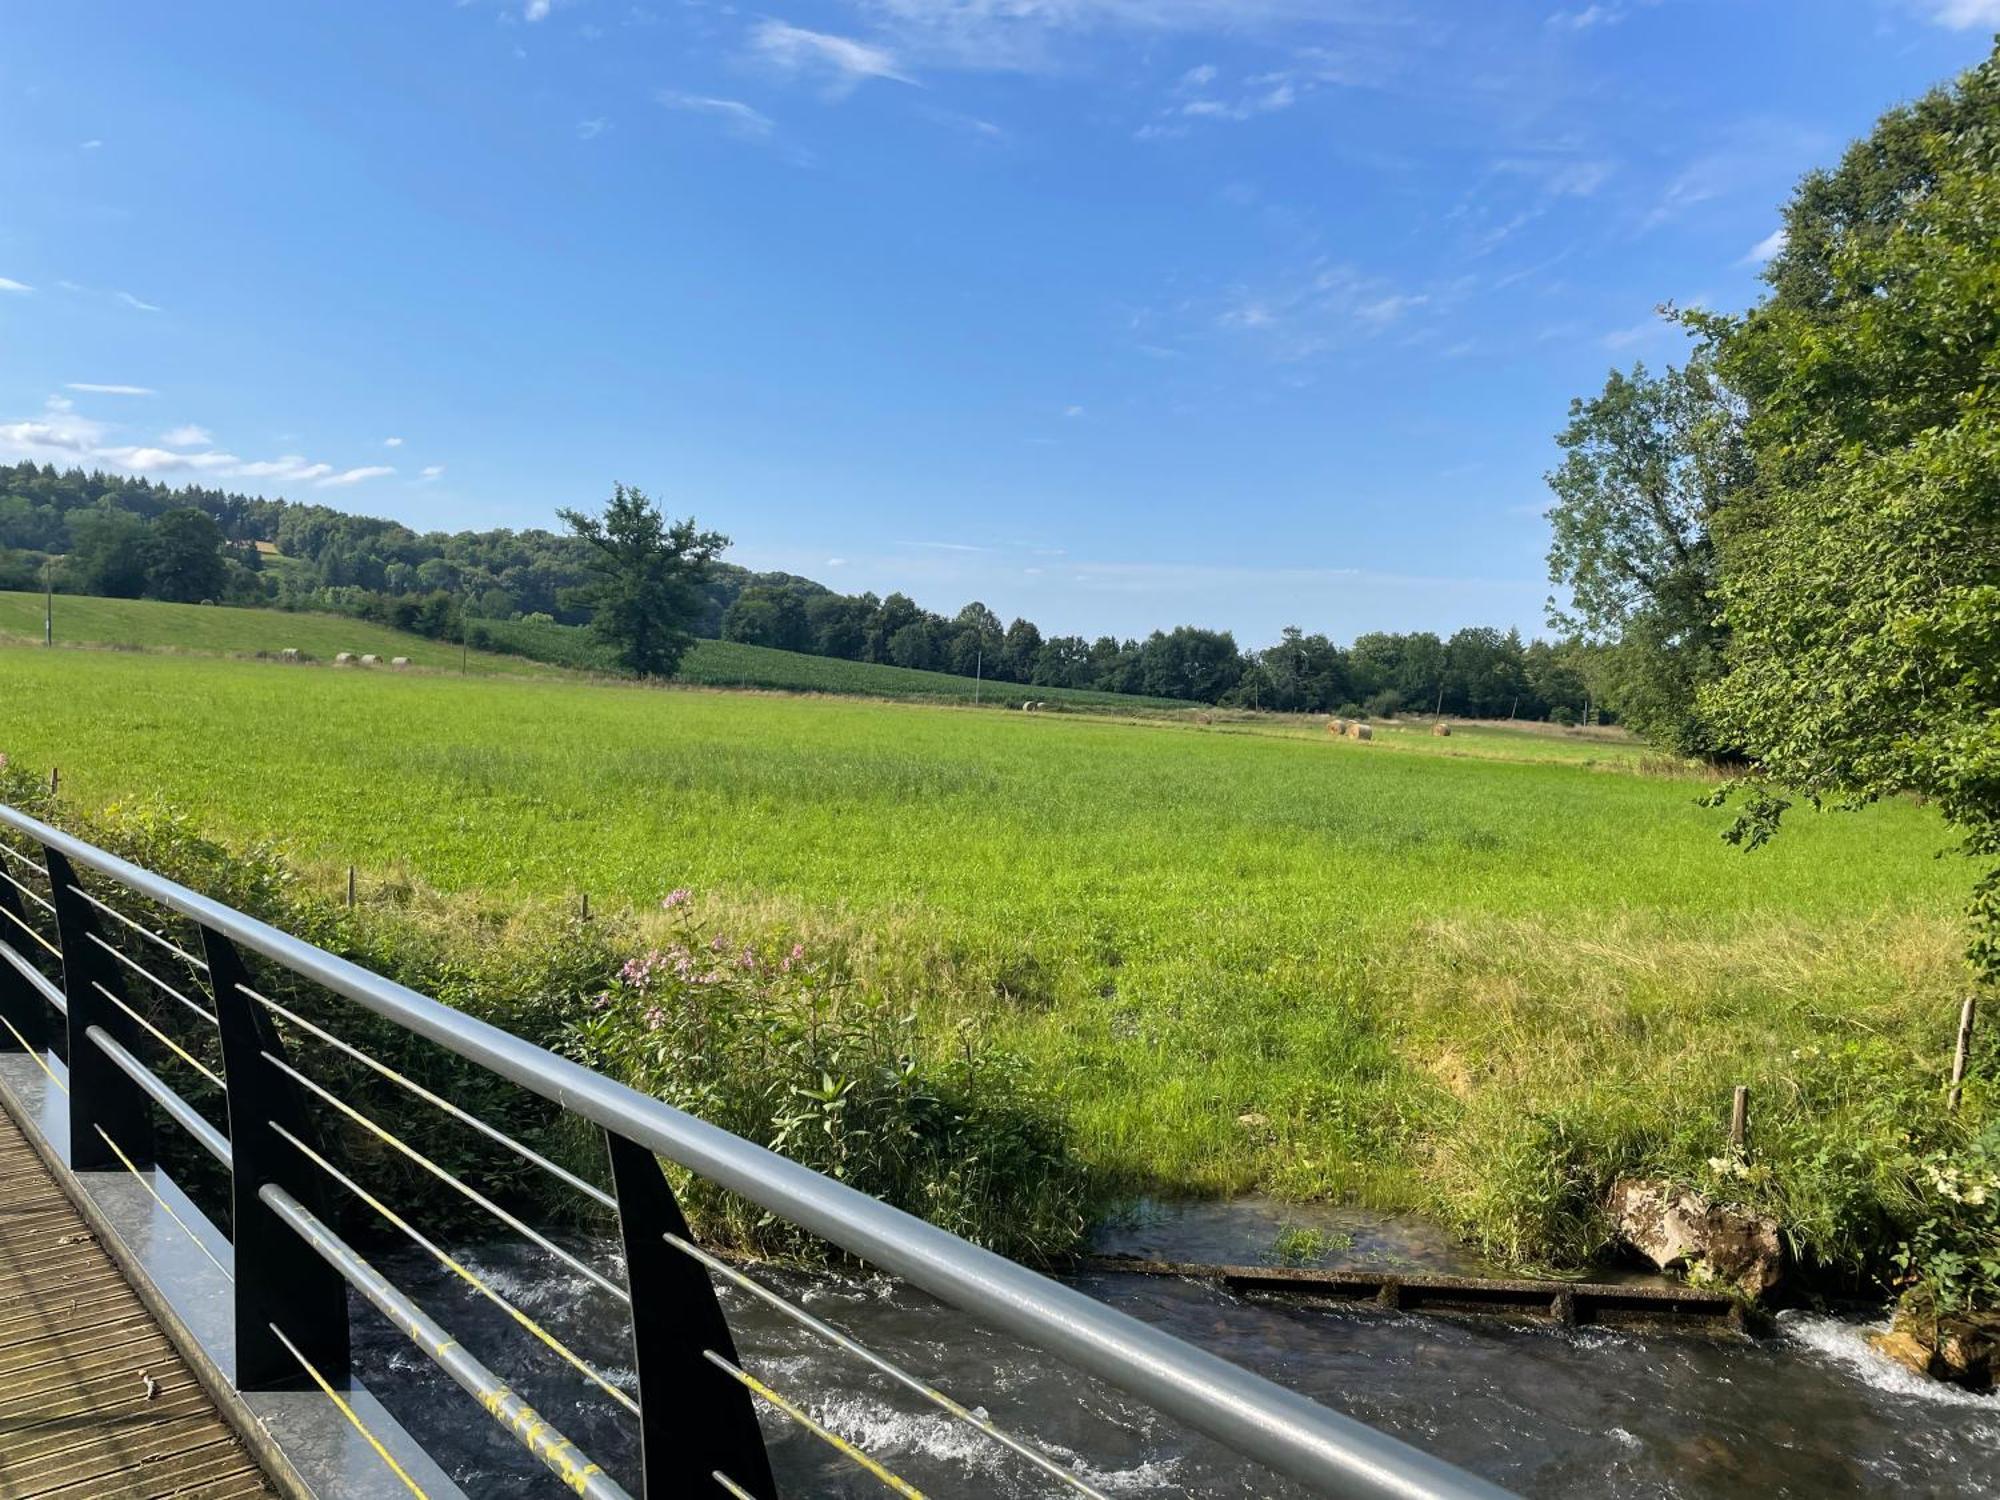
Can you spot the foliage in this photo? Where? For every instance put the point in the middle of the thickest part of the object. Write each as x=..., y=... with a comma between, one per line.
x=184, y=559
x=1952, y=1255
x=1648, y=466
x=647, y=576
x=784, y=1050
x=1305, y=1245
x=1861, y=574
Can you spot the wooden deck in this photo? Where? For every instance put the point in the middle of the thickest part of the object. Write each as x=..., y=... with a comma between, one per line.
x=94, y=1402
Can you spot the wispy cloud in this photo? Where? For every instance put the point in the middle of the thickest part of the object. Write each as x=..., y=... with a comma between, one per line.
x=392, y=442
x=131, y=301
x=1963, y=15
x=9, y=284
x=536, y=10
x=90, y=145
x=740, y=118
x=433, y=471
x=91, y=388
x=1765, y=248
x=356, y=475
x=591, y=129
x=189, y=436
x=843, y=59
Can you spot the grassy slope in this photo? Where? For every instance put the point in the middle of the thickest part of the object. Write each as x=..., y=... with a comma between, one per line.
x=520, y=648
x=1420, y=971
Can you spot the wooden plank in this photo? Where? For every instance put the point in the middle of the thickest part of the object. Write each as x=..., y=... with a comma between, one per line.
x=94, y=1402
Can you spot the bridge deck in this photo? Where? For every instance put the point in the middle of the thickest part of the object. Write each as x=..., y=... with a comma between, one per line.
x=94, y=1402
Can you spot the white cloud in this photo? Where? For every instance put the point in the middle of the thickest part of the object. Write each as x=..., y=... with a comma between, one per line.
x=535, y=10
x=433, y=471
x=590, y=130
x=189, y=436
x=1072, y=411
x=1765, y=248
x=8, y=284
x=1963, y=15
x=90, y=145
x=357, y=475
x=290, y=466
x=93, y=389
x=1200, y=77
x=741, y=119
x=392, y=442
x=835, y=562
x=795, y=49
x=1586, y=17
x=131, y=301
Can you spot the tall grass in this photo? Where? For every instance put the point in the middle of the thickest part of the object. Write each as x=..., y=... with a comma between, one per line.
x=1480, y=983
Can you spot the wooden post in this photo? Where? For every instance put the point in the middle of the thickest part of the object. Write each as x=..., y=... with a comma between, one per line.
x=1959, y=1053
x=586, y=906
x=55, y=780
x=1739, y=1118
x=350, y=887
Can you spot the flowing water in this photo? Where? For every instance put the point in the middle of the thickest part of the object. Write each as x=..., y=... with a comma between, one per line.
x=1811, y=1410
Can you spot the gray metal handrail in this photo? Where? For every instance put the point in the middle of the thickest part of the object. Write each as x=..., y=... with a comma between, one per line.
x=1289, y=1433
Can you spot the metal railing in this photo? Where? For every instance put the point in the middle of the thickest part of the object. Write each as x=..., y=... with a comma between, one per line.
x=76, y=997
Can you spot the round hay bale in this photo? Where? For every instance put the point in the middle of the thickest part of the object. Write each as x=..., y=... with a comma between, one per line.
x=343, y=658
x=1441, y=729
x=399, y=661
x=1360, y=732
x=1336, y=726
x=370, y=659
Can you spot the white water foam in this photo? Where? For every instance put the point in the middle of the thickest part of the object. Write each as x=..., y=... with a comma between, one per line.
x=1846, y=1344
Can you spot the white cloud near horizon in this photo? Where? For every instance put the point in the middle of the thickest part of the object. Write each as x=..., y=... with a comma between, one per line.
x=134, y=302
x=392, y=442
x=433, y=471
x=797, y=50
x=1963, y=15
x=9, y=284
x=62, y=435
x=1765, y=248
x=92, y=388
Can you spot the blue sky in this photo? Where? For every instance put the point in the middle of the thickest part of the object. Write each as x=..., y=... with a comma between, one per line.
x=1113, y=313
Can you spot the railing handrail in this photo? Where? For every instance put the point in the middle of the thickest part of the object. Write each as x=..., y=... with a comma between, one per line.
x=1280, y=1428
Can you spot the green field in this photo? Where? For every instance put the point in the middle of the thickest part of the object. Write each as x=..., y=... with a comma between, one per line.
x=517, y=647
x=1475, y=974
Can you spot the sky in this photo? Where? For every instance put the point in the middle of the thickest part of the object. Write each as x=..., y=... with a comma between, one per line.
x=1116, y=314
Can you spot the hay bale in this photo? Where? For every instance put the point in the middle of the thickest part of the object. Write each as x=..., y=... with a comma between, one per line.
x=343, y=658
x=1441, y=729
x=1360, y=732
x=1336, y=726
x=290, y=653
x=399, y=661
x=369, y=659
x=1040, y=707
x=1028, y=707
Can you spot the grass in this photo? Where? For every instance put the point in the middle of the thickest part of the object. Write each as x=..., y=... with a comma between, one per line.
x=515, y=647
x=1475, y=974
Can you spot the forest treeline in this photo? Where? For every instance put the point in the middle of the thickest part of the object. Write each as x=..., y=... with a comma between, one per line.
x=112, y=535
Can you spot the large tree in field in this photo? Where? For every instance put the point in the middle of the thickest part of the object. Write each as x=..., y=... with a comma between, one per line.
x=184, y=558
x=1860, y=574
x=647, y=577
x=1648, y=465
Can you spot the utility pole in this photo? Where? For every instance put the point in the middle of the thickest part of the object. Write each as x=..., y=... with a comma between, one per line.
x=978, y=670
x=48, y=601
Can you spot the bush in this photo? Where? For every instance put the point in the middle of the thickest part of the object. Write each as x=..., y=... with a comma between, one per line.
x=1385, y=704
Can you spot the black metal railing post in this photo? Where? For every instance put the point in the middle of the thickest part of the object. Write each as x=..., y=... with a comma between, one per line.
x=695, y=1422
x=279, y=1279
x=25, y=1013
x=103, y=1102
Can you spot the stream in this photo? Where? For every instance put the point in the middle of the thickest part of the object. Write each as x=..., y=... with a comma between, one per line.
x=1811, y=1410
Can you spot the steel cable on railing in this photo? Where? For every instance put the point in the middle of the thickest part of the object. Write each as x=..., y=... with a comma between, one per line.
x=40, y=1061
x=459, y=1269
x=153, y=979
x=888, y=1367
x=145, y=932
x=166, y=1041
x=471, y=1194
x=21, y=859
x=166, y=1207
x=33, y=895
x=804, y=1419
x=526, y=1153
x=22, y=924
x=347, y=1411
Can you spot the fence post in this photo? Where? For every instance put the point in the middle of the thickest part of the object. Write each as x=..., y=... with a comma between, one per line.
x=279, y=1277
x=1739, y=1118
x=19, y=1003
x=101, y=1097
x=695, y=1421
x=1962, y=1051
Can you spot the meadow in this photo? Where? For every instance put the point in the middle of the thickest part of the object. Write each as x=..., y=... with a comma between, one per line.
x=516, y=647
x=1477, y=975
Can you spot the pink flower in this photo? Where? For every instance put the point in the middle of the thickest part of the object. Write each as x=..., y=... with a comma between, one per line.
x=798, y=950
x=655, y=1018
x=717, y=943
x=679, y=896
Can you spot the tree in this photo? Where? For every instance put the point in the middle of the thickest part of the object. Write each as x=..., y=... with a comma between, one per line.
x=1648, y=464
x=107, y=554
x=184, y=559
x=1860, y=575
x=646, y=587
